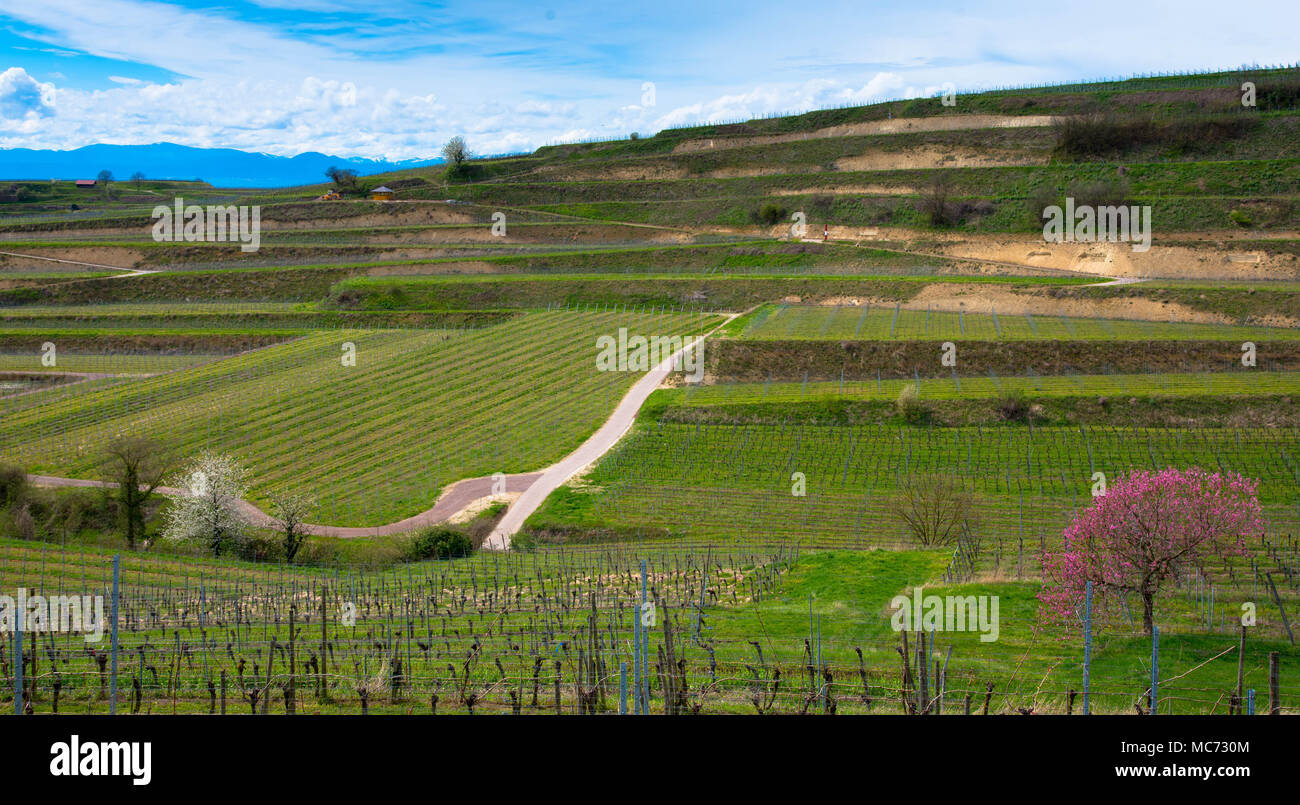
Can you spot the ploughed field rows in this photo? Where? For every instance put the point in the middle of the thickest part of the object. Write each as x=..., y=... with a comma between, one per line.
x=1245, y=382
x=273, y=318
x=373, y=442
x=1025, y=483
x=1047, y=461
x=891, y=322
x=1010, y=531
x=178, y=309
x=164, y=325
x=733, y=631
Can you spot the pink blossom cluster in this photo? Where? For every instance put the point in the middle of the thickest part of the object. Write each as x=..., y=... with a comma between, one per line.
x=1147, y=528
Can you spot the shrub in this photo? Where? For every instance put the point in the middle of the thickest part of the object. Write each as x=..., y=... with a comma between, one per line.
x=1098, y=194
x=440, y=542
x=1088, y=136
x=260, y=548
x=73, y=510
x=1273, y=95
x=1240, y=218
x=1084, y=136
x=13, y=485
x=911, y=407
x=771, y=214
x=19, y=296
x=478, y=529
x=1043, y=197
x=1013, y=407
x=1194, y=134
x=821, y=203
x=1282, y=211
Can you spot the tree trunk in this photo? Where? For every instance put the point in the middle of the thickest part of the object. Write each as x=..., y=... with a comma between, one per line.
x=130, y=490
x=1148, y=611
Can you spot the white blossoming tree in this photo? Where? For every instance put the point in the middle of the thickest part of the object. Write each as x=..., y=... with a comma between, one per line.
x=210, y=512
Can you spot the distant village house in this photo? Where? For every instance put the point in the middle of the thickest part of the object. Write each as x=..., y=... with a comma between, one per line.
x=381, y=193
x=85, y=183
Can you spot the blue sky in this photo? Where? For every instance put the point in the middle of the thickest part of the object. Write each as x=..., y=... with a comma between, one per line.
x=396, y=80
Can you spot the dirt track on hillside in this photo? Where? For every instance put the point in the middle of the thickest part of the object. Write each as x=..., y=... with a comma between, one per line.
x=599, y=443
x=104, y=257
x=935, y=156
x=894, y=126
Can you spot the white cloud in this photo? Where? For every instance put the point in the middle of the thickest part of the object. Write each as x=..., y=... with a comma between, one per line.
x=398, y=85
x=184, y=41
x=779, y=99
x=335, y=117
x=575, y=136
x=23, y=98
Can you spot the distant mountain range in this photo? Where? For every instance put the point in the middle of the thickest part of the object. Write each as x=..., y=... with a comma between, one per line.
x=222, y=167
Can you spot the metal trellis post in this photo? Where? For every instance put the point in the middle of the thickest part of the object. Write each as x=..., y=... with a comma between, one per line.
x=1087, y=643
x=18, y=654
x=112, y=681
x=1155, y=666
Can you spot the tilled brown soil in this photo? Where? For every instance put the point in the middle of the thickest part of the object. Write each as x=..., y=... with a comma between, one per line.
x=756, y=361
x=127, y=343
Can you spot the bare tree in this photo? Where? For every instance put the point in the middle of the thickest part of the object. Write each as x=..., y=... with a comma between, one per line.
x=137, y=464
x=24, y=524
x=935, y=202
x=934, y=508
x=137, y=177
x=105, y=178
x=292, y=511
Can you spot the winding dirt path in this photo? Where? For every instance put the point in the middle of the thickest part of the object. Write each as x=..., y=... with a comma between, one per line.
x=589, y=451
x=130, y=272
x=533, y=488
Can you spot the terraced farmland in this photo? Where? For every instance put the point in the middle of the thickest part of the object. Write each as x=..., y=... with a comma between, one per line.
x=893, y=323
x=1243, y=382
x=1027, y=481
x=419, y=410
x=371, y=354
x=97, y=363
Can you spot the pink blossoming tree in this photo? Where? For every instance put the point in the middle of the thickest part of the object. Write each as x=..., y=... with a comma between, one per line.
x=1147, y=528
